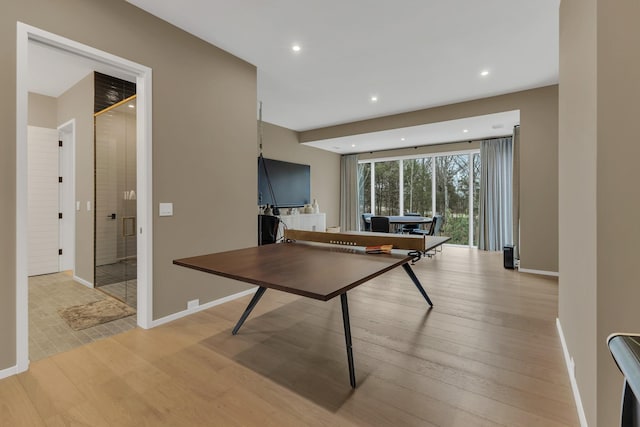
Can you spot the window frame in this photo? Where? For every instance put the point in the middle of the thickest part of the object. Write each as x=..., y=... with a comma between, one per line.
x=470, y=153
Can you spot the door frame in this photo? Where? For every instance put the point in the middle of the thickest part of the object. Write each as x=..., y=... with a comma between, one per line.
x=26, y=33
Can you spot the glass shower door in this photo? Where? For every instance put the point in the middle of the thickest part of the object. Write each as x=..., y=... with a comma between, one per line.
x=115, y=202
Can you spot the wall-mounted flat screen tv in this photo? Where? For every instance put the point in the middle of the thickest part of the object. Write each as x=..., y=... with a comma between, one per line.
x=290, y=182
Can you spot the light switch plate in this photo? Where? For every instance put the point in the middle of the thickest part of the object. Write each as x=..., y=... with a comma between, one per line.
x=166, y=209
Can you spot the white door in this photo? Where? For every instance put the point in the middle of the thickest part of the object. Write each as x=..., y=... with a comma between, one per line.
x=42, y=189
x=66, y=200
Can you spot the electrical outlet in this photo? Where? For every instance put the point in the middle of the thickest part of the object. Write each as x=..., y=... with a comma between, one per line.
x=194, y=303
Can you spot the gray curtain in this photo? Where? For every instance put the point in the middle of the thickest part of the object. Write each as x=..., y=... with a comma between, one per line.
x=349, y=192
x=496, y=197
x=516, y=191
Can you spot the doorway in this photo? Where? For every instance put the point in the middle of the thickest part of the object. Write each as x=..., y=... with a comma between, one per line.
x=143, y=229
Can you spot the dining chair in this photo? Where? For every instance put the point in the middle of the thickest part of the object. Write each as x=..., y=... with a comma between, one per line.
x=380, y=224
x=367, y=224
x=430, y=230
x=433, y=230
x=437, y=224
x=408, y=228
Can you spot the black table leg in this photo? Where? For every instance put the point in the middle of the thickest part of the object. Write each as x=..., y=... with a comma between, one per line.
x=416, y=282
x=347, y=338
x=247, y=311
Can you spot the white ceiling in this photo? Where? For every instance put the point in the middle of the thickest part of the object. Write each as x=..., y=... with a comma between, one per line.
x=53, y=71
x=411, y=54
x=467, y=129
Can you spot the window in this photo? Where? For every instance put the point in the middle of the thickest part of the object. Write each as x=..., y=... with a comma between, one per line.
x=446, y=183
x=387, y=188
x=452, y=196
x=364, y=187
x=418, y=191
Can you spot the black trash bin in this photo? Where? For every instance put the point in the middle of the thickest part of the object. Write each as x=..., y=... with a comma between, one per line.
x=509, y=261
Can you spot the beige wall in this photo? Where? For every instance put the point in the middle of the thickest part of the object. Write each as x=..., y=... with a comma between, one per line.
x=599, y=71
x=282, y=144
x=42, y=111
x=204, y=144
x=577, y=184
x=77, y=103
x=618, y=198
x=538, y=160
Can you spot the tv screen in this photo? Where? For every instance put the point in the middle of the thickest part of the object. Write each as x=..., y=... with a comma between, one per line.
x=290, y=182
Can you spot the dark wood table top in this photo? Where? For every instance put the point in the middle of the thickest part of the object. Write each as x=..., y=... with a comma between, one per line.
x=311, y=270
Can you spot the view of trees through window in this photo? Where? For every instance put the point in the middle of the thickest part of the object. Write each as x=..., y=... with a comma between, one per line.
x=418, y=186
x=387, y=187
x=364, y=187
x=452, y=196
x=453, y=179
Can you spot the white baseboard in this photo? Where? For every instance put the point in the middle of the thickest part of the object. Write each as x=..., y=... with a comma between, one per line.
x=8, y=372
x=187, y=312
x=82, y=281
x=572, y=376
x=541, y=272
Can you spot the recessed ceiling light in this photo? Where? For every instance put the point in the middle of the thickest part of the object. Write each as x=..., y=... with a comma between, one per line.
x=484, y=73
x=132, y=106
x=374, y=98
x=401, y=139
x=465, y=130
x=353, y=145
x=296, y=48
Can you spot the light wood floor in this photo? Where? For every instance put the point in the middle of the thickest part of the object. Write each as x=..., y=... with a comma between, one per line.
x=487, y=354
